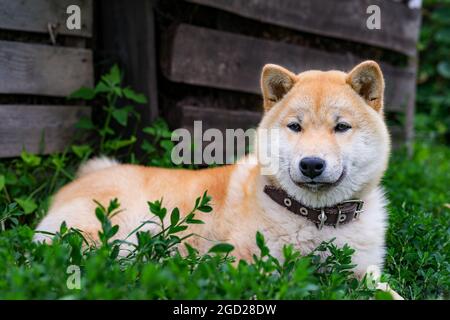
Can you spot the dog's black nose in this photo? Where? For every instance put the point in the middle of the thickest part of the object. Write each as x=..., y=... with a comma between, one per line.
x=312, y=166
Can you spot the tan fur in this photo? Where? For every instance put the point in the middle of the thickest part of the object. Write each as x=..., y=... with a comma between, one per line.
x=240, y=208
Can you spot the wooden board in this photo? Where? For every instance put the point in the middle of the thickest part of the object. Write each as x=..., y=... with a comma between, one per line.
x=185, y=115
x=211, y=58
x=27, y=126
x=343, y=19
x=43, y=70
x=34, y=16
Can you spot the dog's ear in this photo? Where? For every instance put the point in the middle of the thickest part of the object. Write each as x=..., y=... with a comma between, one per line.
x=367, y=80
x=276, y=81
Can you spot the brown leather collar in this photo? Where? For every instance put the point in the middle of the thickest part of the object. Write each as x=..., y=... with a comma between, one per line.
x=341, y=213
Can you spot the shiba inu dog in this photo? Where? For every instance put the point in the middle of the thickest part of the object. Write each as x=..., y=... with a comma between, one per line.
x=333, y=150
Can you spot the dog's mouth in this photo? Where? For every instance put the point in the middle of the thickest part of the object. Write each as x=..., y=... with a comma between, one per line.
x=321, y=186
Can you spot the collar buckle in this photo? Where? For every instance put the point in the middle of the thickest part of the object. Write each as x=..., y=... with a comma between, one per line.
x=359, y=207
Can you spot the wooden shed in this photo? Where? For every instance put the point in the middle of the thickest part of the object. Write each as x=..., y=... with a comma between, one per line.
x=194, y=59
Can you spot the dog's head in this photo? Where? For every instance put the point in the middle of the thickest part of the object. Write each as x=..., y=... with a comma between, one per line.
x=333, y=141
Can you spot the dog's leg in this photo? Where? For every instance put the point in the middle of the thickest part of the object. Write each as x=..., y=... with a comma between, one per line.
x=373, y=274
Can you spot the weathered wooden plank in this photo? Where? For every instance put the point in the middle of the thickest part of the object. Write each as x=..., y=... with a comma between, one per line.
x=43, y=70
x=223, y=60
x=344, y=19
x=35, y=15
x=29, y=126
x=185, y=115
x=211, y=118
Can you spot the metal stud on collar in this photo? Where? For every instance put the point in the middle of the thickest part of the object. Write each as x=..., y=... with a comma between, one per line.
x=287, y=202
x=341, y=217
x=303, y=211
x=322, y=218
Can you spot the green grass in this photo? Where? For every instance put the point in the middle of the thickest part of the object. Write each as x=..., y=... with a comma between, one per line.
x=416, y=264
x=418, y=235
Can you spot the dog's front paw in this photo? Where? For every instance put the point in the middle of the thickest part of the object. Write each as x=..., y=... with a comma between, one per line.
x=373, y=275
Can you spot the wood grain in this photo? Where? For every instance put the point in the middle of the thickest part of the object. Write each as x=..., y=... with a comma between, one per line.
x=34, y=16
x=343, y=19
x=217, y=59
x=43, y=70
x=29, y=126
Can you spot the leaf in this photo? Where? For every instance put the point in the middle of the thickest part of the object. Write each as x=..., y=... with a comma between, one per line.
x=174, y=216
x=221, y=248
x=117, y=144
x=81, y=151
x=99, y=213
x=2, y=182
x=167, y=145
x=113, y=231
x=205, y=209
x=121, y=115
x=113, y=77
x=63, y=228
x=177, y=229
x=113, y=205
x=194, y=221
x=114, y=252
x=205, y=198
x=115, y=74
x=383, y=295
x=27, y=204
x=260, y=242
x=191, y=250
x=149, y=130
x=443, y=69
x=134, y=96
x=85, y=123
x=30, y=159
x=83, y=93
x=102, y=87
x=157, y=210
x=148, y=147
x=58, y=162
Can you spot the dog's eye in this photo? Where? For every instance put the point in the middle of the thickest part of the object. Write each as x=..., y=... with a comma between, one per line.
x=294, y=126
x=342, y=127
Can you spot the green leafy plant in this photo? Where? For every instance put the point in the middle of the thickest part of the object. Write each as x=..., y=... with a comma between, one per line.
x=109, y=91
x=154, y=268
x=159, y=148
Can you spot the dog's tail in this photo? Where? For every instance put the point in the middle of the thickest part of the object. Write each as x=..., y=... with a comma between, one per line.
x=96, y=164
